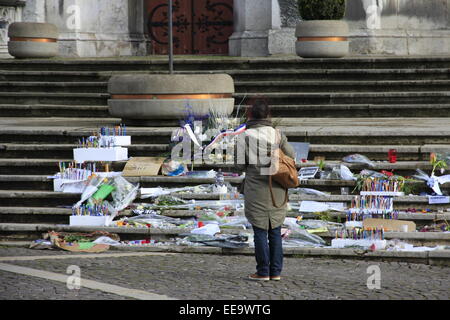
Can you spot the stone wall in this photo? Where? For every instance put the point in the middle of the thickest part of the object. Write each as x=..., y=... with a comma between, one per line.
x=379, y=27
x=399, y=27
x=10, y=11
x=93, y=28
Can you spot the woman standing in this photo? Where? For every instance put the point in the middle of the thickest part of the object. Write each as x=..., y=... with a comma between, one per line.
x=265, y=217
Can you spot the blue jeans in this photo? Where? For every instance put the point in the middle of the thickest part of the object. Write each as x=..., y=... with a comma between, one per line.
x=268, y=251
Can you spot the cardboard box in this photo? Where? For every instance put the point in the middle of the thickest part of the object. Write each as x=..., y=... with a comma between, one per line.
x=143, y=166
x=390, y=225
x=100, y=154
x=97, y=221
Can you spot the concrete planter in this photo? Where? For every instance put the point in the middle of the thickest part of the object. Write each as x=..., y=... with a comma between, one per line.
x=322, y=39
x=32, y=40
x=149, y=97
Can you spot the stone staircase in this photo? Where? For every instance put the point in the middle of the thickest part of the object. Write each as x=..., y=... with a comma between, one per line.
x=352, y=105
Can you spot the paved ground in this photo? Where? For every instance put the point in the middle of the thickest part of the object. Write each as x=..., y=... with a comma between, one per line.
x=212, y=277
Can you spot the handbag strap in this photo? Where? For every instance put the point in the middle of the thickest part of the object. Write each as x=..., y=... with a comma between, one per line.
x=286, y=198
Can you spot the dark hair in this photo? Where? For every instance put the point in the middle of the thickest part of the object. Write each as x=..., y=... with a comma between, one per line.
x=259, y=110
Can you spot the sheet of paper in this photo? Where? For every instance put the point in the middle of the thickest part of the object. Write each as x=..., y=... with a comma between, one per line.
x=313, y=206
x=438, y=199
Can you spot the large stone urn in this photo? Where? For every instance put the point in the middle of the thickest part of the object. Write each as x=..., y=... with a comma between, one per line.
x=142, y=97
x=322, y=39
x=32, y=40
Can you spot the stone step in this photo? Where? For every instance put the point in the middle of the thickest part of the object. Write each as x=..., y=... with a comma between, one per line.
x=43, y=183
x=54, y=98
x=338, y=131
x=362, y=110
x=66, y=150
x=256, y=86
x=434, y=257
x=330, y=152
x=300, y=98
x=57, y=87
x=266, y=74
x=9, y=231
x=280, y=98
x=292, y=86
x=49, y=199
x=49, y=166
x=321, y=111
x=350, y=74
x=54, y=76
x=53, y=110
x=223, y=63
x=34, y=211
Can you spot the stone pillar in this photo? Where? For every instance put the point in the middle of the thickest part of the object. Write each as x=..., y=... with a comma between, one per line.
x=10, y=11
x=252, y=22
x=399, y=27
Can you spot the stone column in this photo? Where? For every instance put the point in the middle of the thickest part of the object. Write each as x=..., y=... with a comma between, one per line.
x=10, y=11
x=252, y=22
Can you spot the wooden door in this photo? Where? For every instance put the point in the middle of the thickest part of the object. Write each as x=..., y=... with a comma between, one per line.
x=199, y=26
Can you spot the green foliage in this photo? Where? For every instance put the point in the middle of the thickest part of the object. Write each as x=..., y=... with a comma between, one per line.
x=438, y=164
x=325, y=216
x=321, y=164
x=321, y=9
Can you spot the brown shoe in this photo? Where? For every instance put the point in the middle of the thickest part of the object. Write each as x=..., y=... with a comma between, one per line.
x=258, y=277
x=275, y=278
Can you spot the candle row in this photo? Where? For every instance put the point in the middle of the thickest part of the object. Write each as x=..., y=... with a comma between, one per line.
x=119, y=130
x=95, y=142
x=376, y=203
x=91, y=210
x=381, y=185
x=361, y=234
x=379, y=214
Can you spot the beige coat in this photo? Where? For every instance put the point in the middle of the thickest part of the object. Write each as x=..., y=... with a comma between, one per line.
x=259, y=209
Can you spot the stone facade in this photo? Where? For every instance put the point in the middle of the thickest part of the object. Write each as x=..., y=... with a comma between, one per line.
x=103, y=28
x=10, y=11
x=379, y=27
x=87, y=28
x=399, y=27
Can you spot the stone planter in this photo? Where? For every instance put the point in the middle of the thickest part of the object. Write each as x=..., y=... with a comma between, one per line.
x=150, y=97
x=322, y=39
x=32, y=40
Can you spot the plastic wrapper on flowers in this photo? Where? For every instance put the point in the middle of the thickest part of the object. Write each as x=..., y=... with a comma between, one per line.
x=308, y=191
x=358, y=158
x=319, y=225
x=433, y=182
x=228, y=241
x=158, y=191
x=155, y=221
x=295, y=232
x=338, y=173
x=121, y=191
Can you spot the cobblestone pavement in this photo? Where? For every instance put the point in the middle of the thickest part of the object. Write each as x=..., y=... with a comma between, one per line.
x=211, y=277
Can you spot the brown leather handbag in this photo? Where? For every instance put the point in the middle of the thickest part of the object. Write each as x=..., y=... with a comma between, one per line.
x=286, y=175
